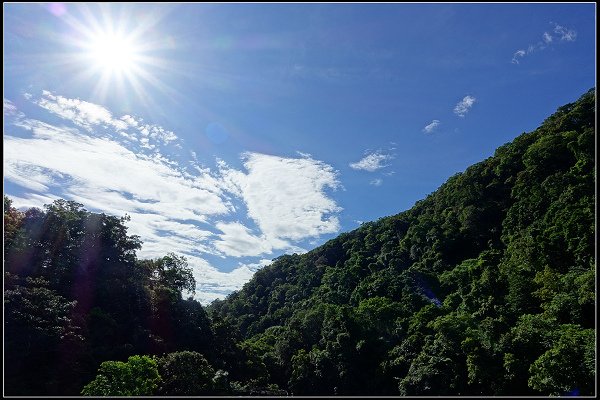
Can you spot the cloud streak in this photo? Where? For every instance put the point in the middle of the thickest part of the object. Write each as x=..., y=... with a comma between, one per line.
x=372, y=162
x=559, y=34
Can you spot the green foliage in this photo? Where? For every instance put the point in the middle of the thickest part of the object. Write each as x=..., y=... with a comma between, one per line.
x=467, y=293
x=13, y=234
x=185, y=373
x=137, y=377
x=569, y=364
x=38, y=329
x=76, y=295
x=484, y=288
x=171, y=272
x=41, y=308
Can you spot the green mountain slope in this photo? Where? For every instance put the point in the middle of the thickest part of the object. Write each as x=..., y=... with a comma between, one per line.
x=486, y=287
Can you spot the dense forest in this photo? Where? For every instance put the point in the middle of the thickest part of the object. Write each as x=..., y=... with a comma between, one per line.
x=485, y=287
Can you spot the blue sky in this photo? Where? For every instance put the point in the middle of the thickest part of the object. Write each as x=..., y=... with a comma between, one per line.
x=234, y=133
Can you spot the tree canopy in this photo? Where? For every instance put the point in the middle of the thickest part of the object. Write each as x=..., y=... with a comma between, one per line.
x=484, y=288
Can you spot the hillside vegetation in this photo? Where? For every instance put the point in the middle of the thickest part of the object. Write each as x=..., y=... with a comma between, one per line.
x=485, y=287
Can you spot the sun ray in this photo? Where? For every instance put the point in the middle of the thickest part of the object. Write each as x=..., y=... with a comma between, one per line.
x=119, y=52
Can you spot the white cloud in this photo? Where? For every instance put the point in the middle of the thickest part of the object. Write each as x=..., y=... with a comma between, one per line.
x=99, y=162
x=160, y=233
x=80, y=112
x=285, y=196
x=213, y=284
x=376, y=182
x=29, y=176
x=32, y=200
x=304, y=155
x=463, y=106
x=130, y=120
x=171, y=209
x=237, y=240
x=432, y=126
x=158, y=133
x=372, y=162
x=562, y=34
x=91, y=116
x=167, y=209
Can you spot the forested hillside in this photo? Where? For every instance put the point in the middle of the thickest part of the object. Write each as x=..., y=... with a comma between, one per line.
x=485, y=287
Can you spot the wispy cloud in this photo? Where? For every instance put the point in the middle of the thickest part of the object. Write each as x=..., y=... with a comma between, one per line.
x=284, y=200
x=376, y=182
x=153, y=184
x=462, y=108
x=92, y=116
x=372, y=162
x=565, y=34
x=559, y=33
x=82, y=113
x=432, y=126
x=518, y=54
x=9, y=109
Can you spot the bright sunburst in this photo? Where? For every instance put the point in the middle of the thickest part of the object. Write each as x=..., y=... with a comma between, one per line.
x=117, y=51
x=113, y=52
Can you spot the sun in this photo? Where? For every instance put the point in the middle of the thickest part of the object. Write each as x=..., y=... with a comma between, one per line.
x=113, y=52
x=119, y=61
